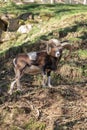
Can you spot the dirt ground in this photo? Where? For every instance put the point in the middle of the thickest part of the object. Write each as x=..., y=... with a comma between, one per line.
x=62, y=107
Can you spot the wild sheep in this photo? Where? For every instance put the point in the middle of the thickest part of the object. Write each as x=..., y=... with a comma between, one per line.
x=44, y=61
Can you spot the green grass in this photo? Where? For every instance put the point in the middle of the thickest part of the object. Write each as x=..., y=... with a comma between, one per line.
x=82, y=54
x=59, y=10
x=66, y=20
x=34, y=125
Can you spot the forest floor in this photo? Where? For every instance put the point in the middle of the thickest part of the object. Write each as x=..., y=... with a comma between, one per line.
x=62, y=107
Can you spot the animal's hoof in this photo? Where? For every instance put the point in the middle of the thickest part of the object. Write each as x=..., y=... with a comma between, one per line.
x=50, y=86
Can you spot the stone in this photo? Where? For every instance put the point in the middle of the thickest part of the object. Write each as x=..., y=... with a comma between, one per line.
x=24, y=28
x=13, y=24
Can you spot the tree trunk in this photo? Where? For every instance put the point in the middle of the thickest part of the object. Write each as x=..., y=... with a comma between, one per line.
x=85, y=1
x=51, y=1
x=70, y=1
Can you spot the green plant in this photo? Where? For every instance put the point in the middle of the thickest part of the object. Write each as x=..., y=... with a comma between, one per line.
x=34, y=125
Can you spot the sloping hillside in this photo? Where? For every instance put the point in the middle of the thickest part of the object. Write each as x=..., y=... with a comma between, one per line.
x=66, y=22
x=64, y=106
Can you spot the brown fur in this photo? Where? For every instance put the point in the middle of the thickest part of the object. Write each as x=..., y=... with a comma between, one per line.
x=46, y=61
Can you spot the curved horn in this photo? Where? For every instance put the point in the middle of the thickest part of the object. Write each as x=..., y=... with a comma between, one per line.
x=48, y=45
x=54, y=42
x=48, y=49
x=66, y=45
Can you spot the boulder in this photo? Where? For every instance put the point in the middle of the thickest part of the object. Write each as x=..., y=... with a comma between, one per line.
x=24, y=28
x=13, y=24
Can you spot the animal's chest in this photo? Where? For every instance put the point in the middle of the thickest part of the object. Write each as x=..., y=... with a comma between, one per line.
x=51, y=64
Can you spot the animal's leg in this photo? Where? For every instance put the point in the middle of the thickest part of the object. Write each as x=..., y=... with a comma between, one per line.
x=16, y=81
x=49, y=79
x=12, y=84
x=11, y=87
x=18, y=76
x=44, y=80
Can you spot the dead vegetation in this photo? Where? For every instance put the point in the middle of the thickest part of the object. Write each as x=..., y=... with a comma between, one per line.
x=61, y=107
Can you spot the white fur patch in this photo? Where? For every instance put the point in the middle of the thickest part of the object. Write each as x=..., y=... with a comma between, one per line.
x=32, y=55
x=57, y=54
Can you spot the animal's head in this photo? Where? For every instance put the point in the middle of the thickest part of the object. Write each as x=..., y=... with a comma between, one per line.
x=55, y=47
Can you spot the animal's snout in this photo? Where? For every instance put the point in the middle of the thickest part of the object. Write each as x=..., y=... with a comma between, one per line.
x=57, y=54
